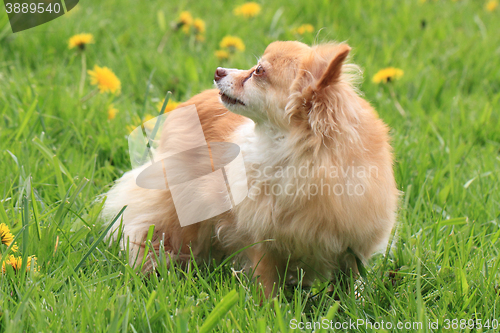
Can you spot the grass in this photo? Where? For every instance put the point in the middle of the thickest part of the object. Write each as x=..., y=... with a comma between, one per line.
x=59, y=154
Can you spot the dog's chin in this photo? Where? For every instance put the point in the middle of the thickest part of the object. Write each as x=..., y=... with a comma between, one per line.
x=229, y=101
x=239, y=107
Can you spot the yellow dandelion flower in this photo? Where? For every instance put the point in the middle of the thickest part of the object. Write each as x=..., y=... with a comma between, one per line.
x=248, y=10
x=171, y=105
x=303, y=29
x=139, y=122
x=14, y=247
x=151, y=125
x=387, y=75
x=130, y=128
x=14, y=262
x=6, y=237
x=491, y=5
x=199, y=26
x=148, y=117
x=17, y=262
x=80, y=40
x=222, y=54
x=185, y=19
x=29, y=260
x=6, y=262
x=105, y=79
x=232, y=43
x=112, y=111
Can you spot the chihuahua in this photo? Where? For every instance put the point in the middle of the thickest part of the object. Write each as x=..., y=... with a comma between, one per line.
x=322, y=195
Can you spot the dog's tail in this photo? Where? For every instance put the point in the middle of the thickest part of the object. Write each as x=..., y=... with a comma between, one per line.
x=144, y=208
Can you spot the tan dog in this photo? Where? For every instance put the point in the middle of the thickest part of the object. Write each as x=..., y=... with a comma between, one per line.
x=318, y=162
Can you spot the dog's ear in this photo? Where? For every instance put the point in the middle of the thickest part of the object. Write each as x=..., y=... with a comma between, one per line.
x=318, y=97
x=334, y=69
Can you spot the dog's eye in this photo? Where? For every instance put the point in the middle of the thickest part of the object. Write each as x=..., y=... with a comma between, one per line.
x=259, y=70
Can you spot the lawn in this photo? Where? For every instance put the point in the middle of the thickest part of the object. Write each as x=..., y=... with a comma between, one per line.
x=60, y=152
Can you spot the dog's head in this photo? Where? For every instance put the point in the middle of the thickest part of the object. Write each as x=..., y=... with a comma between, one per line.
x=292, y=85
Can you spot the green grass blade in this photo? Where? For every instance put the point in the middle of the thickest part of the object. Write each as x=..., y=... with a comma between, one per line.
x=36, y=214
x=279, y=317
x=26, y=119
x=99, y=240
x=53, y=159
x=330, y=315
x=220, y=310
x=149, y=237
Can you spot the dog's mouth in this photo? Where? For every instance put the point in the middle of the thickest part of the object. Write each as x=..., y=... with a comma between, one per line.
x=229, y=100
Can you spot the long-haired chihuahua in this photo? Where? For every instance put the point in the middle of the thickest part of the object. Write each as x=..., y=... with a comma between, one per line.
x=318, y=164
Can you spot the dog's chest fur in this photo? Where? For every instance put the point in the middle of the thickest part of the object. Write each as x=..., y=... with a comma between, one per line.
x=290, y=201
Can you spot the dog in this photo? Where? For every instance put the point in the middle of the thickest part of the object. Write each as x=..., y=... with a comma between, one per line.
x=322, y=194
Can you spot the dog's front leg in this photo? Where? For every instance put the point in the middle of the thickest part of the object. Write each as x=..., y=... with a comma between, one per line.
x=266, y=269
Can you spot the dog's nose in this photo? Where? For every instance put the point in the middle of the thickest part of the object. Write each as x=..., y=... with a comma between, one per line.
x=219, y=73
